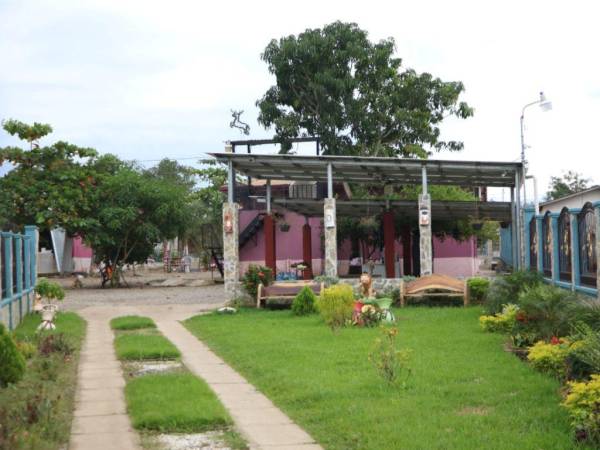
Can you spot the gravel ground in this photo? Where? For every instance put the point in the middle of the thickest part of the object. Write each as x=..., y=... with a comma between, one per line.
x=77, y=299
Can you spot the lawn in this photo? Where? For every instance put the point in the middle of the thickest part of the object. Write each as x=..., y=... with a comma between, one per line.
x=36, y=413
x=131, y=323
x=144, y=346
x=176, y=402
x=465, y=392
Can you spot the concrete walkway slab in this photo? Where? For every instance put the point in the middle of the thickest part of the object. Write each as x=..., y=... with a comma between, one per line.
x=100, y=419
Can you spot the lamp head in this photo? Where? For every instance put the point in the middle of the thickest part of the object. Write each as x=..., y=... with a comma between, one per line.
x=545, y=105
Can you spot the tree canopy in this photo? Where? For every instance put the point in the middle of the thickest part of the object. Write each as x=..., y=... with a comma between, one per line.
x=569, y=183
x=337, y=84
x=47, y=186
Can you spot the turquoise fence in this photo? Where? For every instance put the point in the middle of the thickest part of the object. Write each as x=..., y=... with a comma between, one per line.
x=18, y=274
x=565, y=246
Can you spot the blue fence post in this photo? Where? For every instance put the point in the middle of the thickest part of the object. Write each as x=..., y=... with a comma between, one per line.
x=575, y=249
x=555, y=243
x=18, y=240
x=8, y=275
x=32, y=232
x=540, y=249
x=27, y=269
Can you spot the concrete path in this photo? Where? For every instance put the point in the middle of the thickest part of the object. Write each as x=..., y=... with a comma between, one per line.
x=261, y=423
x=100, y=421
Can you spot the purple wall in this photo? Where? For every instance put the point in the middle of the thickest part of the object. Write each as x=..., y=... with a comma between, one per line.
x=451, y=256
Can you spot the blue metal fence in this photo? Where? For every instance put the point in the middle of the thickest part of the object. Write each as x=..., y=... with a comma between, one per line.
x=18, y=274
x=567, y=247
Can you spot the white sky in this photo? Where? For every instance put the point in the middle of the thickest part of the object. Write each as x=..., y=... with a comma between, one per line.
x=147, y=80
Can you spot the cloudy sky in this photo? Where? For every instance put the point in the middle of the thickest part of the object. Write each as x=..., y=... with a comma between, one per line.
x=147, y=80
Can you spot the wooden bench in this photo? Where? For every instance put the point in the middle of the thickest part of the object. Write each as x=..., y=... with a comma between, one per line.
x=285, y=290
x=434, y=286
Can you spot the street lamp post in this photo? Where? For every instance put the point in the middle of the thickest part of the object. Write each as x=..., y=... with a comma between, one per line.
x=544, y=105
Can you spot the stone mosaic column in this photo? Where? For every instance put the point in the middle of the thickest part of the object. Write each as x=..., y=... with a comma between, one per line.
x=231, y=250
x=330, y=237
x=425, y=241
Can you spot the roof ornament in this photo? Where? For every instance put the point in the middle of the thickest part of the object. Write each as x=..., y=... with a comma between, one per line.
x=237, y=123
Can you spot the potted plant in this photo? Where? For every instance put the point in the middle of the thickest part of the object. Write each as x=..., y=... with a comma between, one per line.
x=50, y=293
x=284, y=227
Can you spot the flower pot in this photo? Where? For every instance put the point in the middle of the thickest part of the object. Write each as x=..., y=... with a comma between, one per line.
x=284, y=227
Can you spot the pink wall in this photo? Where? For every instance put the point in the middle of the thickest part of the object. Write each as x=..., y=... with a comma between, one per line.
x=80, y=250
x=288, y=244
x=452, y=257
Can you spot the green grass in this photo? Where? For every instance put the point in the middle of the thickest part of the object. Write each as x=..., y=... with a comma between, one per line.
x=68, y=323
x=131, y=323
x=36, y=413
x=465, y=392
x=178, y=402
x=144, y=346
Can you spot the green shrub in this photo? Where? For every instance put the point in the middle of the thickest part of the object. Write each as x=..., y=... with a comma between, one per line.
x=478, y=288
x=583, y=404
x=131, y=323
x=336, y=304
x=502, y=322
x=12, y=363
x=254, y=276
x=49, y=290
x=506, y=289
x=545, y=311
x=304, y=302
x=391, y=364
x=552, y=358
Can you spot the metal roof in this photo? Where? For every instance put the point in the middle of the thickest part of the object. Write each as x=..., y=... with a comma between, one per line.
x=440, y=210
x=355, y=169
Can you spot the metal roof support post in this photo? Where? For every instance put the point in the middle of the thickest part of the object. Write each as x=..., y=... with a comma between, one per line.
x=329, y=181
x=519, y=221
x=230, y=182
x=424, y=179
x=268, y=196
x=513, y=227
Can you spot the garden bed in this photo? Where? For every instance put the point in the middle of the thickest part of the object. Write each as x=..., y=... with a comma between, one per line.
x=465, y=391
x=36, y=413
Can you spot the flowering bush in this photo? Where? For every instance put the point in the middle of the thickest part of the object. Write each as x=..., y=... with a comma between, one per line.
x=552, y=357
x=336, y=304
x=583, y=404
x=501, y=322
x=256, y=275
x=390, y=363
x=370, y=315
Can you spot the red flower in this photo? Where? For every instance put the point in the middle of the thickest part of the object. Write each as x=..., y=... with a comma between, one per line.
x=554, y=340
x=521, y=317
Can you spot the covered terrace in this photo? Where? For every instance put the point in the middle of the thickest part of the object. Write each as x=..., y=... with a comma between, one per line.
x=373, y=170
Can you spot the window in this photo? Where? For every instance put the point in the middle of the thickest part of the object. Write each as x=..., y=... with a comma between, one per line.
x=588, y=263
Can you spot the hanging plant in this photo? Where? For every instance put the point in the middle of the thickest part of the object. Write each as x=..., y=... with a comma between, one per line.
x=284, y=227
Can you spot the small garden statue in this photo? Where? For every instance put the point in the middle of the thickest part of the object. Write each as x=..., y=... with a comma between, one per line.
x=369, y=310
x=50, y=293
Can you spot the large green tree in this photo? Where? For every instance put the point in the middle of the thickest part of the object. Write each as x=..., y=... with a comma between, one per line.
x=569, y=183
x=47, y=186
x=353, y=93
x=134, y=212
